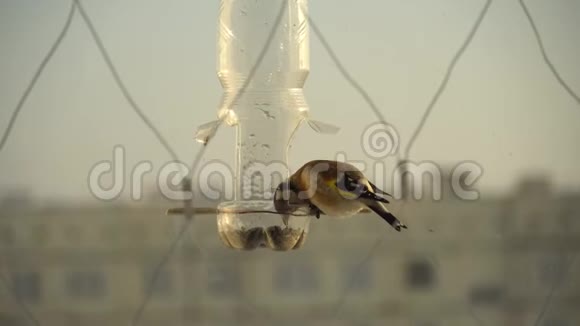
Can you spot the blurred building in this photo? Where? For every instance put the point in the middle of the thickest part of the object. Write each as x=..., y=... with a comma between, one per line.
x=491, y=262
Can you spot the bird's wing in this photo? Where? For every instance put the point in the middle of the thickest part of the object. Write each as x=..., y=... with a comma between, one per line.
x=286, y=198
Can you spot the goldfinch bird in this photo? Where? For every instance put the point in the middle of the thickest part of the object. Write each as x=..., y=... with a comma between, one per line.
x=332, y=188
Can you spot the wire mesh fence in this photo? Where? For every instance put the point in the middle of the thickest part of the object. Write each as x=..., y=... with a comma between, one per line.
x=295, y=271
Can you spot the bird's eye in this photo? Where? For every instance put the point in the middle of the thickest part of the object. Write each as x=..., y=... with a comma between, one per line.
x=349, y=184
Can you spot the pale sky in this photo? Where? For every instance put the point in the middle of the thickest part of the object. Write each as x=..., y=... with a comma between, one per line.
x=502, y=108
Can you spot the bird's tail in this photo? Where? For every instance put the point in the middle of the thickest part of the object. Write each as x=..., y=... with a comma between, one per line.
x=386, y=215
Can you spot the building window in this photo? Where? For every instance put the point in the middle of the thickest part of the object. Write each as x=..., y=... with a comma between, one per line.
x=550, y=269
x=224, y=279
x=556, y=322
x=39, y=233
x=110, y=233
x=566, y=219
x=295, y=278
x=487, y=294
x=73, y=233
x=139, y=233
x=425, y=323
x=13, y=320
x=6, y=235
x=163, y=285
x=357, y=277
x=27, y=286
x=86, y=284
x=419, y=274
x=534, y=222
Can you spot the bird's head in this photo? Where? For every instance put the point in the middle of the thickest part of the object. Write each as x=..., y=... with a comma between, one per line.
x=352, y=184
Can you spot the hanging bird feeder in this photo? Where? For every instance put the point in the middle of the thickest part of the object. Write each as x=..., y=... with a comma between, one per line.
x=262, y=64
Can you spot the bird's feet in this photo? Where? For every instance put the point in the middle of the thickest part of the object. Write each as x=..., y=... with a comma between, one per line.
x=315, y=211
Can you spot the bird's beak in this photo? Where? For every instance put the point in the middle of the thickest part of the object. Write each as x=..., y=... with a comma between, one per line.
x=373, y=196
